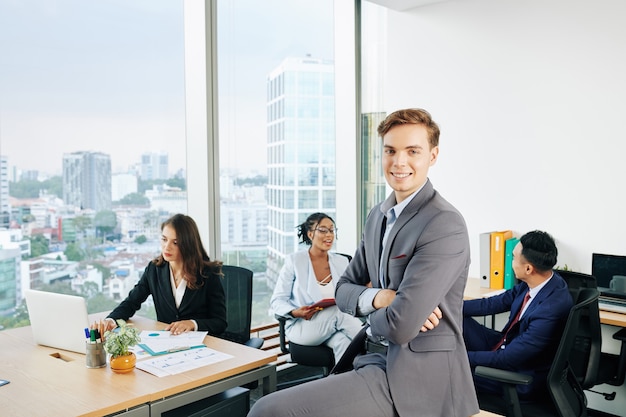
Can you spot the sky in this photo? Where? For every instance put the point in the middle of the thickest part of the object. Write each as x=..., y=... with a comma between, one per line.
x=103, y=76
x=108, y=76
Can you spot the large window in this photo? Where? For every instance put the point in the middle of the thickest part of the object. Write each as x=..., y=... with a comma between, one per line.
x=116, y=114
x=93, y=145
x=276, y=125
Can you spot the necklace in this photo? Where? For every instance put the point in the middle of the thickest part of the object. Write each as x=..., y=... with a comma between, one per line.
x=177, y=278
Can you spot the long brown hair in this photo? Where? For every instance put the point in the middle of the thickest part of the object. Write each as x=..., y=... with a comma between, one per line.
x=196, y=261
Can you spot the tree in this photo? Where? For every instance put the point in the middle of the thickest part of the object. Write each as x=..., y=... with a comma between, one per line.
x=177, y=182
x=99, y=302
x=39, y=245
x=25, y=189
x=82, y=223
x=105, y=271
x=141, y=239
x=54, y=185
x=135, y=199
x=32, y=188
x=90, y=289
x=73, y=252
x=105, y=222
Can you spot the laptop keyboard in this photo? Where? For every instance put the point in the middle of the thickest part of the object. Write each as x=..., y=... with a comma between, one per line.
x=614, y=306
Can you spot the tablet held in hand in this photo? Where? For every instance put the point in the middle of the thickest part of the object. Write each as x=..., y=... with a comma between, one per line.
x=326, y=302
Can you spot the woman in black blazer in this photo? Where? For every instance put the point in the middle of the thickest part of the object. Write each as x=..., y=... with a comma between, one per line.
x=184, y=283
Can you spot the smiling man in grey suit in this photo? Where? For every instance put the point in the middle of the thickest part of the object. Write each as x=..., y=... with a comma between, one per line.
x=415, y=254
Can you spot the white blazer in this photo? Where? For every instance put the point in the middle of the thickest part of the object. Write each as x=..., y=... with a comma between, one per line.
x=297, y=286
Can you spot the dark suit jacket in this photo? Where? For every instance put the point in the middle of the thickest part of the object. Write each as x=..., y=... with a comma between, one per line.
x=532, y=342
x=426, y=259
x=206, y=305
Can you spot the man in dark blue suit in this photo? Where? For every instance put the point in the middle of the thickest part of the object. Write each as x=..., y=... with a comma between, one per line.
x=529, y=340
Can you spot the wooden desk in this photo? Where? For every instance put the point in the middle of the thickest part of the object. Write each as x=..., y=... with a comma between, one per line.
x=51, y=382
x=474, y=290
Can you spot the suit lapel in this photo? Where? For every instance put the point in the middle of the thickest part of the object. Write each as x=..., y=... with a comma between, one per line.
x=409, y=212
x=544, y=293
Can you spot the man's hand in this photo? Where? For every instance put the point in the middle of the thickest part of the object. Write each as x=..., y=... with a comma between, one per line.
x=384, y=298
x=432, y=321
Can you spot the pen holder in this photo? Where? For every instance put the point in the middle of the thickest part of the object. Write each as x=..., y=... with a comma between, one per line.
x=96, y=355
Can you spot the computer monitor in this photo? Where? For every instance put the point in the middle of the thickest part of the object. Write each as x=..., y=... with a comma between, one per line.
x=610, y=273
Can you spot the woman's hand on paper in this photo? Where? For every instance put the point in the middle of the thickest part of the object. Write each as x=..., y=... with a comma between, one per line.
x=182, y=326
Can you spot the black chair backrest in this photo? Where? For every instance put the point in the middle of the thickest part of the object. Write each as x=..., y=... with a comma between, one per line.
x=576, y=281
x=575, y=346
x=238, y=288
x=346, y=255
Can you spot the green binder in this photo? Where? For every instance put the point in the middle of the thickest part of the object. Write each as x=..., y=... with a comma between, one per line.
x=509, y=275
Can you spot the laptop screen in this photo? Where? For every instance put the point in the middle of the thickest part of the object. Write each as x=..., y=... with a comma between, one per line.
x=610, y=273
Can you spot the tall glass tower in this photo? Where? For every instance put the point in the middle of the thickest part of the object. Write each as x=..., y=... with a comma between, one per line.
x=87, y=180
x=301, y=151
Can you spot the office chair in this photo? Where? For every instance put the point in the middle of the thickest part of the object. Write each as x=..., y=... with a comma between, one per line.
x=319, y=356
x=238, y=288
x=567, y=398
x=608, y=368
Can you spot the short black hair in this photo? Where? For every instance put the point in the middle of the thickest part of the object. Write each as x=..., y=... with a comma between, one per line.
x=539, y=249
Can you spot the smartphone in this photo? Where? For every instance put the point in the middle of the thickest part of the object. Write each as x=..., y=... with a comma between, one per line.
x=3, y=382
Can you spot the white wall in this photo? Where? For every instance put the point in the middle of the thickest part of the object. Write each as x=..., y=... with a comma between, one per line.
x=530, y=97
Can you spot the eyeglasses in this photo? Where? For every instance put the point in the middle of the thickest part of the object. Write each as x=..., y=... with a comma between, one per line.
x=325, y=230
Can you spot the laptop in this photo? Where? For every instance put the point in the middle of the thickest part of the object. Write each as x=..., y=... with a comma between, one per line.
x=58, y=320
x=610, y=274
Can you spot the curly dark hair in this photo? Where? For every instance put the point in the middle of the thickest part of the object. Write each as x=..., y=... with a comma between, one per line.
x=309, y=224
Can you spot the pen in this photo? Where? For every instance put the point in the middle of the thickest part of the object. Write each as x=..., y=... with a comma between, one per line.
x=87, y=333
x=92, y=336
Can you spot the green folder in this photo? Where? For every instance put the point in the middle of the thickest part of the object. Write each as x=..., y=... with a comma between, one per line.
x=509, y=275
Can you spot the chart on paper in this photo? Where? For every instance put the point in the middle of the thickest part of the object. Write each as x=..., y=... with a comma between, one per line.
x=163, y=342
x=175, y=363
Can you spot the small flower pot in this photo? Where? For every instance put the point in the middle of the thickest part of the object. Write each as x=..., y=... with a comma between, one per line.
x=123, y=364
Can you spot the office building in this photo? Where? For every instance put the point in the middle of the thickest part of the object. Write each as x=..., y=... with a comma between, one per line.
x=244, y=231
x=300, y=150
x=87, y=180
x=12, y=247
x=154, y=166
x=5, y=208
x=374, y=184
x=9, y=270
x=166, y=199
x=122, y=185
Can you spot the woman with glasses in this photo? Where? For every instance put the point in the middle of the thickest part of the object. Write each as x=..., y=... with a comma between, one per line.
x=309, y=276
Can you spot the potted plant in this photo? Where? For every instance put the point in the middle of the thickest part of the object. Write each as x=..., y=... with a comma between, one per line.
x=117, y=342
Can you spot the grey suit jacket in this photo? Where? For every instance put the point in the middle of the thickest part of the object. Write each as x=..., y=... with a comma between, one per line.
x=426, y=260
